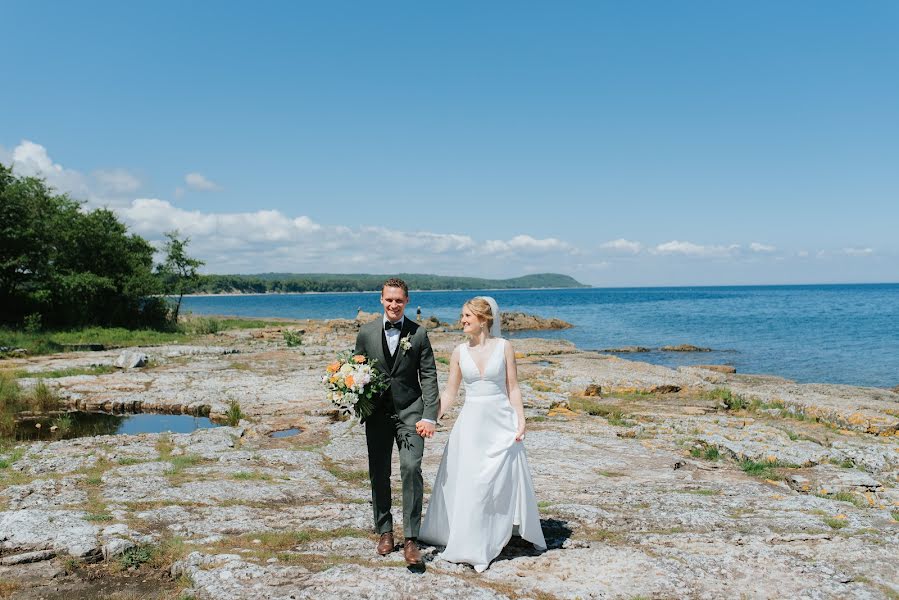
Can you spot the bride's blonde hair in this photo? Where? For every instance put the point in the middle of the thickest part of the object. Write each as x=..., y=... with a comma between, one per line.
x=481, y=309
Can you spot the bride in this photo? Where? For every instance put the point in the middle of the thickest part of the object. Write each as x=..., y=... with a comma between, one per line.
x=483, y=492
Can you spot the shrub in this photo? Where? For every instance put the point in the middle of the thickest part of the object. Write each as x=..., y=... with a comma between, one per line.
x=64, y=423
x=33, y=323
x=234, y=414
x=293, y=338
x=204, y=326
x=43, y=398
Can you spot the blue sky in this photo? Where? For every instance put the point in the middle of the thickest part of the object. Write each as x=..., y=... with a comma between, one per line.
x=623, y=143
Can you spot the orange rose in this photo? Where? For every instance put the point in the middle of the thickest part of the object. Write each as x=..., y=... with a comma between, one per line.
x=358, y=359
x=333, y=367
x=334, y=379
x=349, y=381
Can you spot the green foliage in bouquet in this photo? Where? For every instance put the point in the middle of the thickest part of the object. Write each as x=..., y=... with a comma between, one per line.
x=353, y=382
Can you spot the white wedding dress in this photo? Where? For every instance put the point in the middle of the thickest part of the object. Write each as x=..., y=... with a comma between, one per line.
x=483, y=492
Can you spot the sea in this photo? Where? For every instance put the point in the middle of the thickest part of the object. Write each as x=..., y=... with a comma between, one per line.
x=808, y=333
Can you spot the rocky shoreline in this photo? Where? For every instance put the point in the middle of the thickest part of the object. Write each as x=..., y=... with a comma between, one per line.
x=653, y=482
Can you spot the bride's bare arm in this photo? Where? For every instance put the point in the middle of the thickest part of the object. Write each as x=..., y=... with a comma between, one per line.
x=514, y=390
x=448, y=398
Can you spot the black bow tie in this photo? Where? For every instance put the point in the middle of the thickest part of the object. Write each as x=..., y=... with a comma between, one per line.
x=389, y=325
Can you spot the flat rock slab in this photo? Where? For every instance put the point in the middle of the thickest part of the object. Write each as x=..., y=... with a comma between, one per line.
x=65, y=532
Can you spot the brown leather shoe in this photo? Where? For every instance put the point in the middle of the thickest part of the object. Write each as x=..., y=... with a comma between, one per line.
x=411, y=552
x=385, y=544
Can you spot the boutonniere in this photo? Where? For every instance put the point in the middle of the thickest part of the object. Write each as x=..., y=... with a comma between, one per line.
x=406, y=343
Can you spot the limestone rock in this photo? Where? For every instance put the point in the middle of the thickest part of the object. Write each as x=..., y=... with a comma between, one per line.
x=27, y=557
x=365, y=317
x=593, y=390
x=58, y=530
x=130, y=359
x=626, y=349
x=517, y=321
x=664, y=389
x=718, y=368
x=116, y=547
x=831, y=479
x=684, y=348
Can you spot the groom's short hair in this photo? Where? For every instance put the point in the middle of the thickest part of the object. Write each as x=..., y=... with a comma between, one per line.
x=397, y=283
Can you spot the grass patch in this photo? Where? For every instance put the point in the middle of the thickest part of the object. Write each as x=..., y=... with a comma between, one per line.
x=730, y=400
x=155, y=556
x=544, y=504
x=14, y=455
x=94, y=480
x=164, y=446
x=612, y=414
x=280, y=541
x=764, y=470
x=179, y=463
x=849, y=497
x=202, y=325
x=70, y=372
x=895, y=515
x=442, y=360
x=835, y=523
x=234, y=414
x=702, y=492
x=13, y=400
x=541, y=386
x=251, y=476
x=98, y=517
x=215, y=324
x=609, y=473
x=708, y=452
x=348, y=475
x=48, y=342
x=596, y=534
x=127, y=460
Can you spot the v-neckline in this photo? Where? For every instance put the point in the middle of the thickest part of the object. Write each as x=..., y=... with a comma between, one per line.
x=487, y=364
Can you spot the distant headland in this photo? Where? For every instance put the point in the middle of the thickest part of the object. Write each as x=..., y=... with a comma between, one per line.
x=275, y=283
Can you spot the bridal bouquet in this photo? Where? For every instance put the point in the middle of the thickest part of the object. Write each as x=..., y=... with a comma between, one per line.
x=352, y=382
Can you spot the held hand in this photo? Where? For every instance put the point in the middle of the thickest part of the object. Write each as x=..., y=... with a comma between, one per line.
x=519, y=435
x=425, y=429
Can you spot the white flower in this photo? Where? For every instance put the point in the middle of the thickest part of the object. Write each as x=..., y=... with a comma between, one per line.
x=406, y=343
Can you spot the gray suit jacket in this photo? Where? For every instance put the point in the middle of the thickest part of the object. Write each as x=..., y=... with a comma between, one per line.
x=413, y=379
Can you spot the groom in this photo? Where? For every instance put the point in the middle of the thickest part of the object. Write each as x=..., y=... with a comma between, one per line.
x=405, y=414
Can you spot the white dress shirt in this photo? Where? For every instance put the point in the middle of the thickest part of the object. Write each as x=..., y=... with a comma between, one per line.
x=393, y=335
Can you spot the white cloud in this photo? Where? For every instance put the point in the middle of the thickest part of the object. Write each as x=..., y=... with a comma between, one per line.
x=527, y=244
x=757, y=247
x=196, y=181
x=104, y=188
x=858, y=251
x=118, y=181
x=32, y=160
x=623, y=245
x=691, y=249
x=268, y=240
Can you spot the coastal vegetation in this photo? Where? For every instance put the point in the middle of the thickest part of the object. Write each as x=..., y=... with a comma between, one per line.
x=66, y=271
x=329, y=282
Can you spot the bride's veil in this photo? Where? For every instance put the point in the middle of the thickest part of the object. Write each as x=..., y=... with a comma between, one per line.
x=495, y=330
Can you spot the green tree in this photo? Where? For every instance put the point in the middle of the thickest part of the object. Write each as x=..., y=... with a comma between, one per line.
x=66, y=264
x=178, y=271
